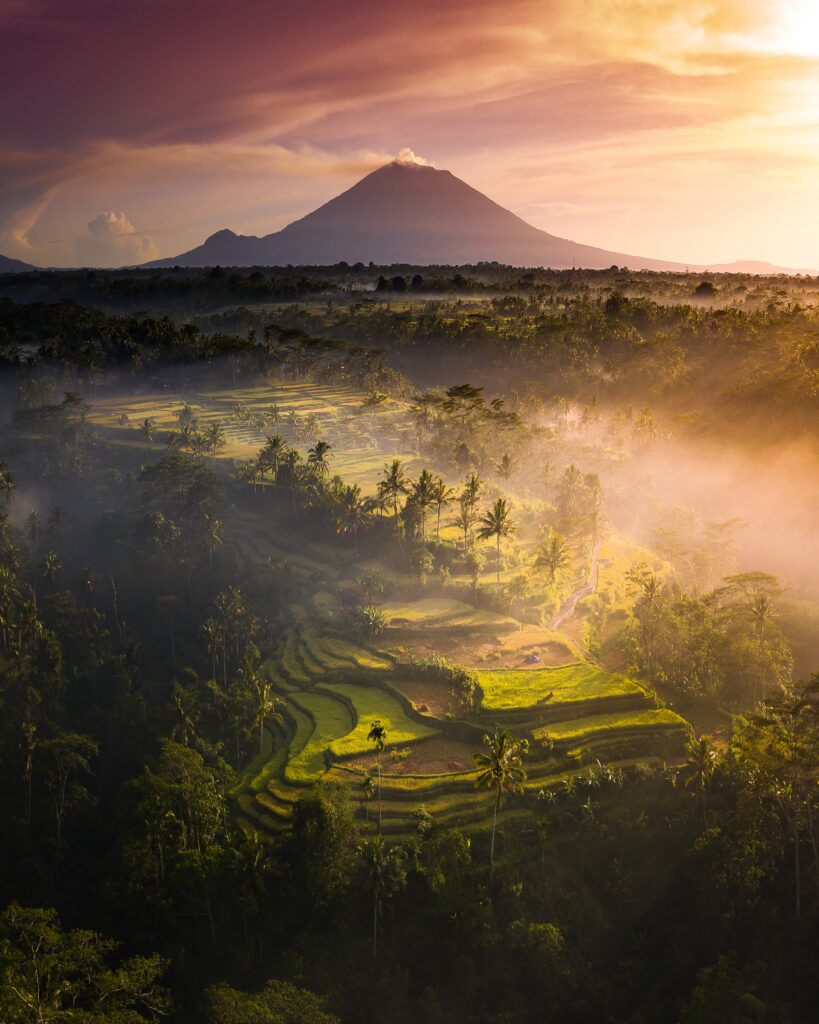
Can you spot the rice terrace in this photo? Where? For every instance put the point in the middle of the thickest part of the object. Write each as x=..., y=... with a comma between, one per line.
x=581, y=718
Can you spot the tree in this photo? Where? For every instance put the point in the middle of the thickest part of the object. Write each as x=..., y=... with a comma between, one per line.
x=147, y=428
x=50, y=975
x=56, y=523
x=393, y=484
x=318, y=459
x=441, y=497
x=271, y=456
x=385, y=873
x=50, y=567
x=212, y=528
x=506, y=468
x=497, y=523
x=65, y=757
x=422, y=496
x=371, y=621
x=378, y=737
x=33, y=523
x=701, y=762
x=501, y=770
x=553, y=556
x=263, y=700
x=279, y=1002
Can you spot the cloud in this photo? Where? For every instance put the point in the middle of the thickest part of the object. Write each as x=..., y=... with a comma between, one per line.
x=112, y=240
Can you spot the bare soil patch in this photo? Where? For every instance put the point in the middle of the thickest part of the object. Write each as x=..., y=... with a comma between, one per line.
x=435, y=756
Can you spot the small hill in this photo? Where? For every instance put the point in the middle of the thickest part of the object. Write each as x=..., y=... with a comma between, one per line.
x=12, y=266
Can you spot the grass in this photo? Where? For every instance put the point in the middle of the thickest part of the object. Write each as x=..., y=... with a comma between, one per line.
x=441, y=612
x=577, y=729
x=358, y=657
x=507, y=689
x=332, y=721
x=372, y=703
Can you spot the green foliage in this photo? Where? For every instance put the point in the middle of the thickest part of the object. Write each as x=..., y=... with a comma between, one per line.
x=278, y=1003
x=48, y=974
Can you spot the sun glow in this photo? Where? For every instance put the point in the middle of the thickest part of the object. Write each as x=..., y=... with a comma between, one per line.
x=794, y=29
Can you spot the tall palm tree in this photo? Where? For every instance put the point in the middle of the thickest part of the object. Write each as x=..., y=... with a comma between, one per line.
x=378, y=737
x=552, y=556
x=270, y=457
x=352, y=511
x=441, y=497
x=506, y=468
x=215, y=438
x=212, y=527
x=423, y=495
x=56, y=522
x=147, y=428
x=501, y=770
x=368, y=788
x=318, y=458
x=393, y=484
x=264, y=701
x=6, y=483
x=50, y=566
x=386, y=875
x=33, y=523
x=701, y=762
x=497, y=523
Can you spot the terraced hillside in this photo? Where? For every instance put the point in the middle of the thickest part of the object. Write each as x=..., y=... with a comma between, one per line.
x=301, y=412
x=575, y=715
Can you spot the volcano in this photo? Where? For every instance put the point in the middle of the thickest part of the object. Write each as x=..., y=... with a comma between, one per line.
x=407, y=213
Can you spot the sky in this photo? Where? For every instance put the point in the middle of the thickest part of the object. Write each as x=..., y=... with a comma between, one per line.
x=132, y=129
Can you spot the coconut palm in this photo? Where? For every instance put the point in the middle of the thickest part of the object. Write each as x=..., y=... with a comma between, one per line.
x=318, y=458
x=263, y=700
x=701, y=762
x=378, y=737
x=147, y=428
x=212, y=528
x=56, y=523
x=352, y=511
x=6, y=483
x=270, y=457
x=50, y=566
x=501, y=770
x=497, y=523
x=423, y=495
x=393, y=484
x=33, y=523
x=441, y=497
x=214, y=438
x=368, y=788
x=506, y=467
x=552, y=556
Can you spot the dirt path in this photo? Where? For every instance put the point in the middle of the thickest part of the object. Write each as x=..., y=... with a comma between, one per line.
x=570, y=603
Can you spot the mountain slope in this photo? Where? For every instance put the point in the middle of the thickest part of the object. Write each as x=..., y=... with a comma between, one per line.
x=12, y=266
x=407, y=213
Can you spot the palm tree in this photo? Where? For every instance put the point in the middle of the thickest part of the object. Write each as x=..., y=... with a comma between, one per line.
x=271, y=456
x=441, y=497
x=262, y=697
x=386, y=875
x=88, y=581
x=33, y=522
x=501, y=768
x=213, y=535
x=6, y=482
x=352, y=512
x=393, y=484
x=147, y=428
x=50, y=566
x=423, y=495
x=368, y=788
x=552, y=556
x=497, y=523
x=701, y=761
x=506, y=467
x=378, y=737
x=56, y=522
x=318, y=458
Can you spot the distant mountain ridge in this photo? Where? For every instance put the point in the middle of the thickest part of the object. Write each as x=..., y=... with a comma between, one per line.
x=8, y=265
x=408, y=213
